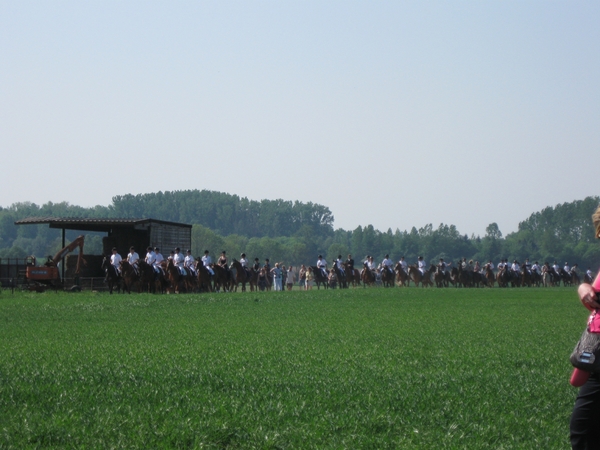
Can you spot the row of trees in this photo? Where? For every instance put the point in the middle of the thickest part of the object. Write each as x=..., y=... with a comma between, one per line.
x=295, y=232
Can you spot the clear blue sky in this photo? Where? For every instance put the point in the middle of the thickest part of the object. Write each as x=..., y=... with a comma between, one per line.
x=395, y=114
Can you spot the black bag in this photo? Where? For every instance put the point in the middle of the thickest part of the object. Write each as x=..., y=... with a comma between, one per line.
x=586, y=355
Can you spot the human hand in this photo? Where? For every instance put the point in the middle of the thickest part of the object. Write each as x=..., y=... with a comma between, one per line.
x=588, y=296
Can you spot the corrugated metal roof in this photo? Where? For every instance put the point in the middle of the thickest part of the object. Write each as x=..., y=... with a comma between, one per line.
x=80, y=223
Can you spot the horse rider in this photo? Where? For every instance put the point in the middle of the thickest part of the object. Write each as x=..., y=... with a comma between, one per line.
x=388, y=264
x=207, y=261
x=340, y=266
x=322, y=265
x=556, y=268
x=222, y=261
x=442, y=266
x=189, y=261
x=589, y=274
x=490, y=264
x=567, y=268
x=256, y=265
x=516, y=268
x=421, y=265
x=150, y=256
x=244, y=263
x=115, y=260
x=178, y=261
x=403, y=264
x=527, y=265
x=133, y=258
x=350, y=264
x=158, y=259
x=535, y=268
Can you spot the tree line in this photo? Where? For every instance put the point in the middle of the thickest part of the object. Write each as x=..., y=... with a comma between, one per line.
x=295, y=232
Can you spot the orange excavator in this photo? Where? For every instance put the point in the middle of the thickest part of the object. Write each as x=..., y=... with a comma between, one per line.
x=47, y=275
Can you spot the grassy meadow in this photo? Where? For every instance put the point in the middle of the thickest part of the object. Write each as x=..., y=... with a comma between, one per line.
x=363, y=368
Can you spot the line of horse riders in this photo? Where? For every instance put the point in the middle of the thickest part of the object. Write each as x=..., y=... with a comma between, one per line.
x=178, y=273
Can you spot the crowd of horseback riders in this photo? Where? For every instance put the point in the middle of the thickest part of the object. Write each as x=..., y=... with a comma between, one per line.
x=178, y=272
x=471, y=274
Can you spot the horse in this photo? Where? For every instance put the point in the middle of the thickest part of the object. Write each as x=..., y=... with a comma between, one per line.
x=574, y=278
x=203, y=277
x=526, y=279
x=242, y=276
x=402, y=277
x=503, y=277
x=367, y=276
x=320, y=278
x=176, y=280
x=536, y=278
x=352, y=275
x=387, y=277
x=341, y=276
x=147, y=276
x=439, y=277
x=423, y=278
x=489, y=276
x=129, y=275
x=112, y=278
x=223, y=278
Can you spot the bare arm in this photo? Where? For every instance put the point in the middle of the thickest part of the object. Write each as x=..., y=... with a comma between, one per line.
x=588, y=297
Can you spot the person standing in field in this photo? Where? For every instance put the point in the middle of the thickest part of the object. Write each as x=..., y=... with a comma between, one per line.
x=585, y=419
x=262, y=279
x=289, y=281
x=276, y=272
x=310, y=277
x=302, y=277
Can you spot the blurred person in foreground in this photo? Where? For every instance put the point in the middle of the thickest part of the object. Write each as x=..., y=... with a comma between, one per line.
x=585, y=419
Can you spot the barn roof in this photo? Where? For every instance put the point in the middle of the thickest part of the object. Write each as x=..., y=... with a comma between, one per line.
x=78, y=223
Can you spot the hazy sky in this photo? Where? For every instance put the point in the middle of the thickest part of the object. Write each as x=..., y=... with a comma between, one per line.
x=395, y=114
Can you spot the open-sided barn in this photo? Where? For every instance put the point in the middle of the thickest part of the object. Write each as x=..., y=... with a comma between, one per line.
x=120, y=233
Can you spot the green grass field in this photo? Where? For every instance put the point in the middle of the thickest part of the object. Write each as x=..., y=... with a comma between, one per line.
x=364, y=368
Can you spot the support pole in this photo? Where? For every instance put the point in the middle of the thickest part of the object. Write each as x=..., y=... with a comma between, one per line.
x=62, y=268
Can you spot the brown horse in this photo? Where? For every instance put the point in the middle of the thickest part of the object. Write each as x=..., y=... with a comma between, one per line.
x=352, y=275
x=112, y=279
x=223, y=278
x=423, y=278
x=489, y=276
x=439, y=277
x=147, y=276
x=367, y=276
x=176, y=280
x=203, y=277
x=402, y=277
x=242, y=276
x=129, y=275
x=342, y=278
x=387, y=277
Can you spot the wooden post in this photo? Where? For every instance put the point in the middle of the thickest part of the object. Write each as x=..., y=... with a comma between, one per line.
x=62, y=268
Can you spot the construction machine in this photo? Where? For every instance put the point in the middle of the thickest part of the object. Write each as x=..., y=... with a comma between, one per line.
x=47, y=276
